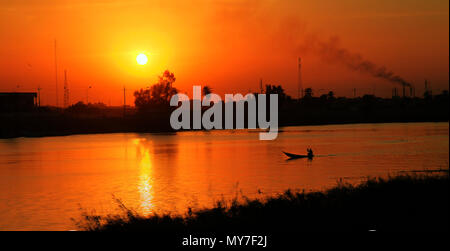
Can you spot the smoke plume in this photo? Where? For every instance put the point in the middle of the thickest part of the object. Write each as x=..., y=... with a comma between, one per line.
x=330, y=51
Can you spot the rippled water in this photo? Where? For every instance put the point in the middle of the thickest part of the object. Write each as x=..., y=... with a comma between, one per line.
x=44, y=181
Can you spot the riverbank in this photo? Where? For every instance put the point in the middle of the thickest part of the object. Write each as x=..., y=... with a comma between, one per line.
x=69, y=127
x=93, y=119
x=403, y=203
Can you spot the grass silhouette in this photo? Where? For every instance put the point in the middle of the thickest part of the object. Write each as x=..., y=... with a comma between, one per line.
x=402, y=203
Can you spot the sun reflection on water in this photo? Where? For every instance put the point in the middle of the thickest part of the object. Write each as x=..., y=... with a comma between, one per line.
x=146, y=182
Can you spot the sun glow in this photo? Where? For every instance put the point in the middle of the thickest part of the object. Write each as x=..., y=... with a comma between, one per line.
x=141, y=59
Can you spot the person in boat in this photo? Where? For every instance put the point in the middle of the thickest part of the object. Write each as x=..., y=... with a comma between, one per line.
x=310, y=153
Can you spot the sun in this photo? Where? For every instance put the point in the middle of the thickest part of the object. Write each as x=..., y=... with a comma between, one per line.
x=141, y=59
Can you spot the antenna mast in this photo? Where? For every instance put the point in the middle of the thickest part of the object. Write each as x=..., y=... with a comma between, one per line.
x=56, y=76
x=66, y=90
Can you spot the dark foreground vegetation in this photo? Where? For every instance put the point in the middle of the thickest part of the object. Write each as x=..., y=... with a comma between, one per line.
x=403, y=203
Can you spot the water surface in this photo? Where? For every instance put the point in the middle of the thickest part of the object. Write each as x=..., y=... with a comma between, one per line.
x=44, y=181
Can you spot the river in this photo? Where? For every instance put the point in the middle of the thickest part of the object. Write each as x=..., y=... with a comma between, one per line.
x=45, y=181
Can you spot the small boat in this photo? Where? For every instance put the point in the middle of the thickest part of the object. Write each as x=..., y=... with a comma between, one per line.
x=297, y=156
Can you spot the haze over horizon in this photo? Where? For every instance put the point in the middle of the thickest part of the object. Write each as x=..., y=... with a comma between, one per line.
x=228, y=45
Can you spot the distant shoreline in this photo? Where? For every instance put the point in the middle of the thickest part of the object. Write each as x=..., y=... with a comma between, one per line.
x=99, y=119
x=41, y=134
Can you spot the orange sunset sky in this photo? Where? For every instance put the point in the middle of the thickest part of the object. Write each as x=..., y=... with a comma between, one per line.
x=226, y=44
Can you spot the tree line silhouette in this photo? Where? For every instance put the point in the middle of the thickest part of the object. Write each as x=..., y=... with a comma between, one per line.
x=152, y=111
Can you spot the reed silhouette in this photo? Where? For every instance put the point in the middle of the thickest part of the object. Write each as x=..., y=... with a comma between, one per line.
x=402, y=203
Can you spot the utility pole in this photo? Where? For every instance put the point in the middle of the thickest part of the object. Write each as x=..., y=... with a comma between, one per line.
x=124, y=102
x=87, y=95
x=39, y=96
x=261, y=90
x=428, y=88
